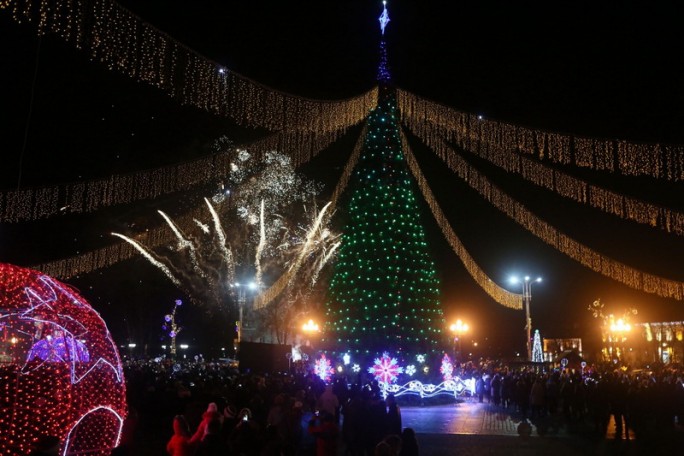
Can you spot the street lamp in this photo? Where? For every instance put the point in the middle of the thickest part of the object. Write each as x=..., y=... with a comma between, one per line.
x=459, y=328
x=310, y=327
x=242, y=298
x=527, y=297
x=619, y=329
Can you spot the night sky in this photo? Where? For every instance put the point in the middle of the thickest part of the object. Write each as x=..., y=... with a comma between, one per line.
x=605, y=71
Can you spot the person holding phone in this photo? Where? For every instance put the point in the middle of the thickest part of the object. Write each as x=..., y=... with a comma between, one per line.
x=246, y=435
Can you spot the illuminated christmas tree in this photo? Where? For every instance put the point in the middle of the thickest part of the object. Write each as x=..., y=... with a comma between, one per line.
x=537, y=354
x=384, y=294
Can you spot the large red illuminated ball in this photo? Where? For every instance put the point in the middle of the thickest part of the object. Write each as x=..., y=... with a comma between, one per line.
x=60, y=371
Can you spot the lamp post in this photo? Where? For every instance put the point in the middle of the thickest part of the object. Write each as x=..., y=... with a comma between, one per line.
x=527, y=297
x=619, y=330
x=242, y=299
x=309, y=328
x=459, y=328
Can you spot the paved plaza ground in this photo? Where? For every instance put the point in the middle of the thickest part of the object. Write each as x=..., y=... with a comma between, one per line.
x=472, y=428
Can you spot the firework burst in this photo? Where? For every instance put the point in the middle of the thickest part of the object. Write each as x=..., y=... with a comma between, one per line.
x=260, y=226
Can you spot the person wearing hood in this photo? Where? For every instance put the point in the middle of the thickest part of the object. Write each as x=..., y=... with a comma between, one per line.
x=212, y=413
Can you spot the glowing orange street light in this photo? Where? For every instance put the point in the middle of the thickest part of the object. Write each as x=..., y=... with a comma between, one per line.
x=619, y=328
x=310, y=326
x=459, y=328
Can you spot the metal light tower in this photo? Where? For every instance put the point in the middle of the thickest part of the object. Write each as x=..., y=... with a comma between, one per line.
x=527, y=297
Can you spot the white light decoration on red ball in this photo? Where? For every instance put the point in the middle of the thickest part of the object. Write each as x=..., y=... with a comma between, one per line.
x=60, y=370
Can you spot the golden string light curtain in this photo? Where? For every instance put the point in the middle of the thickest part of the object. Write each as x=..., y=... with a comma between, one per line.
x=472, y=132
x=488, y=147
x=161, y=235
x=589, y=258
x=497, y=143
x=499, y=294
x=85, y=197
x=265, y=298
x=122, y=41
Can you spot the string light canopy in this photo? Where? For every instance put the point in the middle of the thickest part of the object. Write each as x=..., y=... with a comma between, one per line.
x=60, y=370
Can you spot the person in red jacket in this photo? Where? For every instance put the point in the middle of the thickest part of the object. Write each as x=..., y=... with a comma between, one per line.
x=326, y=432
x=180, y=445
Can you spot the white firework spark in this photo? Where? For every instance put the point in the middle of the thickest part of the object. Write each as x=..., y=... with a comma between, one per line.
x=150, y=258
x=260, y=246
x=183, y=243
x=203, y=226
x=227, y=255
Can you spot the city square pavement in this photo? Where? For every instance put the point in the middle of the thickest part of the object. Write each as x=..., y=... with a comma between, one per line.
x=472, y=428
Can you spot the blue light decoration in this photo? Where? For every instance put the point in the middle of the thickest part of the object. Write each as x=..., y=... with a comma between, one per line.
x=356, y=368
x=386, y=369
x=384, y=17
x=323, y=368
x=171, y=326
x=383, y=65
x=58, y=349
x=410, y=370
x=455, y=387
x=447, y=368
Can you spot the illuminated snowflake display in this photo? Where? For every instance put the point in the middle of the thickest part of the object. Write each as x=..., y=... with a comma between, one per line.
x=410, y=370
x=61, y=368
x=420, y=358
x=386, y=369
x=323, y=368
x=356, y=368
x=447, y=368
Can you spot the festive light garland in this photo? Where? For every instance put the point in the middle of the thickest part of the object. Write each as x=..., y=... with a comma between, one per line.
x=562, y=183
x=454, y=386
x=584, y=255
x=61, y=372
x=472, y=133
x=301, y=147
x=499, y=294
x=85, y=197
x=122, y=41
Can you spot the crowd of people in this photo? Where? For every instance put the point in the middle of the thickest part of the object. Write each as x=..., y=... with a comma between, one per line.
x=214, y=409
x=644, y=402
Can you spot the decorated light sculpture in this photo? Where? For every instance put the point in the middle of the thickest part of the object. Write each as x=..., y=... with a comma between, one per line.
x=410, y=370
x=172, y=327
x=447, y=368
x=61, y=371
x=323, y=368
x=537, y=353
x=386, y=369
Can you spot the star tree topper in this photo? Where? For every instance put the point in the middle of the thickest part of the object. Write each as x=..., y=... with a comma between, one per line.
x=384, y=17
